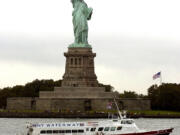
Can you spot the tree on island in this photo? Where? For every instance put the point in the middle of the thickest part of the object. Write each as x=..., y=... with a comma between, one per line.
x=165, y=96
x=131, y=94
x=28, y=90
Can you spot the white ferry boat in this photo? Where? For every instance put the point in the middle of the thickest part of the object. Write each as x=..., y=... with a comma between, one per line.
x=119, y=126
x=105, y=127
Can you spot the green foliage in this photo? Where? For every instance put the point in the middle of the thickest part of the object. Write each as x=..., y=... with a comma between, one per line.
x=131, y=94
x=165, y=97
x=108, y=88
x=29, y=90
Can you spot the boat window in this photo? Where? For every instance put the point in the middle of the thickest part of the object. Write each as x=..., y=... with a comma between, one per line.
x=43, y=132
x=80, y=131
x=106, y=129
x=87, y=129
x=55, y=131
x=49, y=131
x=127, y=122
x=113, y=128
x=68, y=131
x=61, y=131
x=115, y=120
x=123, y=122
x=100, y=129
x=74, y=131
x=130, y=122
x=119, y=128
x=93, y=129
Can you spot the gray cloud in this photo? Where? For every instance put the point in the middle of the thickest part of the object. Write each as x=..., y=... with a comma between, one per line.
x=132, y=53
x=122, y=52
x=33, y=50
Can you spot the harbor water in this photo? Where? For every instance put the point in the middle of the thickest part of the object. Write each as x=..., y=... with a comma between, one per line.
x=11, y=126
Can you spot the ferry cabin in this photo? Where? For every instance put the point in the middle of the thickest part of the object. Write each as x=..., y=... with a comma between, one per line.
x=84, y=128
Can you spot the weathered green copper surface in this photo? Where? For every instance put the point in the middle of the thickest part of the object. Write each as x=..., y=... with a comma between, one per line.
x=81, y=15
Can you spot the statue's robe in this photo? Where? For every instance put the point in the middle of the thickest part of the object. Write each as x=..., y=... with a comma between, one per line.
x=81, y=14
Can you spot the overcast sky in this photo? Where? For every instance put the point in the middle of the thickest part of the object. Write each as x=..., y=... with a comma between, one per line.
x=133, y=39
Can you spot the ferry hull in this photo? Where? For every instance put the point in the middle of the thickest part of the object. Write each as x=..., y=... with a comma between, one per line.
x=160, y=132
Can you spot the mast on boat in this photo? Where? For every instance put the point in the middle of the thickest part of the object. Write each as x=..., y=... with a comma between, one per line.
x=119, y=112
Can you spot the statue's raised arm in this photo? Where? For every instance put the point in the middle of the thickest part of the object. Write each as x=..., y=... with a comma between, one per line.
x=81, y=14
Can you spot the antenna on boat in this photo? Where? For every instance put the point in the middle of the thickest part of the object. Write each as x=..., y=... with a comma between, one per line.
x=119, y=112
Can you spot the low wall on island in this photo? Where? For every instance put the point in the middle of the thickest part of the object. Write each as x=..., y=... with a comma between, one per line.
x=76, y=104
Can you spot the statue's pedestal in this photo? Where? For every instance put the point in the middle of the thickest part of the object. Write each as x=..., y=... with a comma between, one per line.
x=79, y=71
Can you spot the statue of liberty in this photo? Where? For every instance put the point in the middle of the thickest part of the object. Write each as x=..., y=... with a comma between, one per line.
x=81, y=15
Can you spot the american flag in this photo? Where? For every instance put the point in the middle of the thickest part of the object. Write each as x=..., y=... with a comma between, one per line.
x=158, y=75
